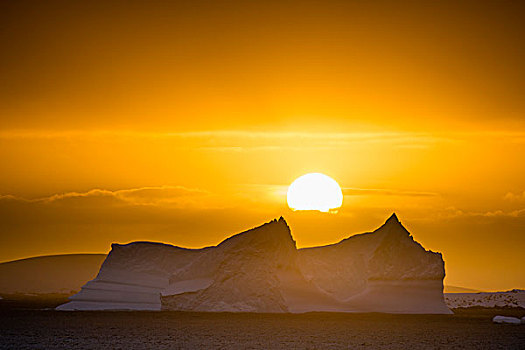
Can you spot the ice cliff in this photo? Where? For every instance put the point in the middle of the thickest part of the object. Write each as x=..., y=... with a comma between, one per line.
x=261, y=270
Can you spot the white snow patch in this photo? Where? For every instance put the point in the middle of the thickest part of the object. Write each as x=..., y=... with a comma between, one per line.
x=513, y=298
x=505, y=319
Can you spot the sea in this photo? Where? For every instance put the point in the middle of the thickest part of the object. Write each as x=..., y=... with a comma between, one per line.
x=49, y=329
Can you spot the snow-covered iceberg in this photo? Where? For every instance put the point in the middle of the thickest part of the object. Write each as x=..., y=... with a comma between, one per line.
x=261, y=270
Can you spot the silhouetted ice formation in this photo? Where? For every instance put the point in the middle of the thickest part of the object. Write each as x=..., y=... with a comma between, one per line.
x=261, y=270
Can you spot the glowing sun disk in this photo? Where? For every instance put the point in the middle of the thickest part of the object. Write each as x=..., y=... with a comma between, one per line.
x=315, y=191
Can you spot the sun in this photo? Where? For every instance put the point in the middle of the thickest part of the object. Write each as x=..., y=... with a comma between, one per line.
x=315, y=191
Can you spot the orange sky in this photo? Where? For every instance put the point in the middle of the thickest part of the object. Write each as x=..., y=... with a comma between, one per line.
x=184, y=122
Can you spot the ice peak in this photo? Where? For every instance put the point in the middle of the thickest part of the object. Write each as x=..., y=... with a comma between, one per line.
x=282, y=224
x=392, y=219
x=276, y=230
x=393, y=223
x=280, y=221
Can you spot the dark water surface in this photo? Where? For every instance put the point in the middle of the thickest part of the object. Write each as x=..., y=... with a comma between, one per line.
x=34, y=329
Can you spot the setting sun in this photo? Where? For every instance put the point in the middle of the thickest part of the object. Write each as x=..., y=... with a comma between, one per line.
x=315, y=191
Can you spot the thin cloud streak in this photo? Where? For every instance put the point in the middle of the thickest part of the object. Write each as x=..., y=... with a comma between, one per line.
x=217, y=134
x=359, y=136
x=385, y=192
x=245, y=140
x=238, y=140
x=135, y=196
x=452, y=213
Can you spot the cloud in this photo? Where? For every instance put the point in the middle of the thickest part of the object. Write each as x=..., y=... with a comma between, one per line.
x=515, y=197
x=242, y=140
x=236, y=141
x=90, y=221
x=179, y=196
x=386, y=192
x=334, y=138
x=452, y=212
x=500, y=213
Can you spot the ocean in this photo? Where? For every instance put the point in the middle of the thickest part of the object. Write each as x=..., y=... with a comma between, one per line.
x=48, y=329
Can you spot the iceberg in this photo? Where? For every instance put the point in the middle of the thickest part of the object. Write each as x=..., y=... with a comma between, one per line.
x=261, y=270
x=505, y=319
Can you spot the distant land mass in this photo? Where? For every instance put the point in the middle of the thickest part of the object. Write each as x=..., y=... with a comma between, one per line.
x=456, y=289
x=57, y=274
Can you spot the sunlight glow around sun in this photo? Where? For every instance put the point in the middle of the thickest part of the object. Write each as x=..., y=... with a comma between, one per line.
x=315, y=191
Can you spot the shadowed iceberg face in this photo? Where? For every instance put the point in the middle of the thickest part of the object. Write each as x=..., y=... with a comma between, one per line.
x=261, y=270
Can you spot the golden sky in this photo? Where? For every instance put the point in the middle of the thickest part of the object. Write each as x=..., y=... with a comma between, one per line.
x=184, y=122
